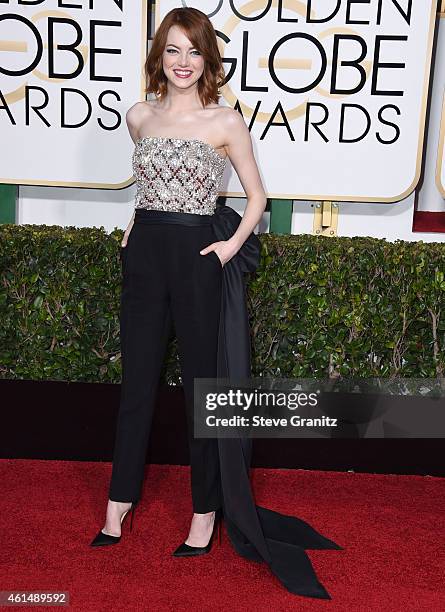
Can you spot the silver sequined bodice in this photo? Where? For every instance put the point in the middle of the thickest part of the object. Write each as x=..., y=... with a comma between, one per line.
x=176, y=174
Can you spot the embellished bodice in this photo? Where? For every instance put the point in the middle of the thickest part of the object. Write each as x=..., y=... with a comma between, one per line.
x=177, y=174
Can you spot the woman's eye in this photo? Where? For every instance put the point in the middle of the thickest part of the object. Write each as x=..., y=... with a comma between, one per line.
x=174, y=51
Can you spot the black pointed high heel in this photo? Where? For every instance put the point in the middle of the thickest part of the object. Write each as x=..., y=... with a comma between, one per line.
x=184, y=550
x=104, y=539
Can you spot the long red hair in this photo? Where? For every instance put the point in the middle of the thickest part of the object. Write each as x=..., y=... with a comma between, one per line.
x=199, y=30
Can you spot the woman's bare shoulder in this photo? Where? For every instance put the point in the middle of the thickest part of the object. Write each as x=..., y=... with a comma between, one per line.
x=137, y=115
x=225, y=116
x=138, y=112
x=231, y=117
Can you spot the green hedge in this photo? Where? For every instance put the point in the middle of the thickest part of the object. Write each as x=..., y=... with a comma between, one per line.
x=319, y=307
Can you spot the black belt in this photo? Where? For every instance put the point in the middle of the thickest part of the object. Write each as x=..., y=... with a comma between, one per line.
x=144, y=215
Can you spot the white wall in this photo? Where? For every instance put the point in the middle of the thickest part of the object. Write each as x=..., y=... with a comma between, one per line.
x=379, y=220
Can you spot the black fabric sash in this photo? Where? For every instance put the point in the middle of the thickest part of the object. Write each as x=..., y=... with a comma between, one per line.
x=256, y=533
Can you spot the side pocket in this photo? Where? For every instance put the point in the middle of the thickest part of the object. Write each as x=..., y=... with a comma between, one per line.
x=215, y=257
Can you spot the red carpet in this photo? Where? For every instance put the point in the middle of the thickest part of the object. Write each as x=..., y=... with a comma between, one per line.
x=392, y=528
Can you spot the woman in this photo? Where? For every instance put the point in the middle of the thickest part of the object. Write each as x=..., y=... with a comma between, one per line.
x=183, y=258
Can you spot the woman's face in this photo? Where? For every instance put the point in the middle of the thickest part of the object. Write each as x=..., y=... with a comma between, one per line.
x=182, y=63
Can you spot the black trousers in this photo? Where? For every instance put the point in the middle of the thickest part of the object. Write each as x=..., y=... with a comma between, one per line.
x=165, y=282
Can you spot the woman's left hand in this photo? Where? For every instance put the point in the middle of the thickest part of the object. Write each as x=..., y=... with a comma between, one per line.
x=224, y=249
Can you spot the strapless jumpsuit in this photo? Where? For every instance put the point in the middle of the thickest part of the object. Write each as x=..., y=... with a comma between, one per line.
x=166, y=280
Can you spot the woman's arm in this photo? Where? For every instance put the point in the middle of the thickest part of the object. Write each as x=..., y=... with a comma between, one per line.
x=133, y=118
x=240, y=151
x=242, y=158
x=127, y=231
